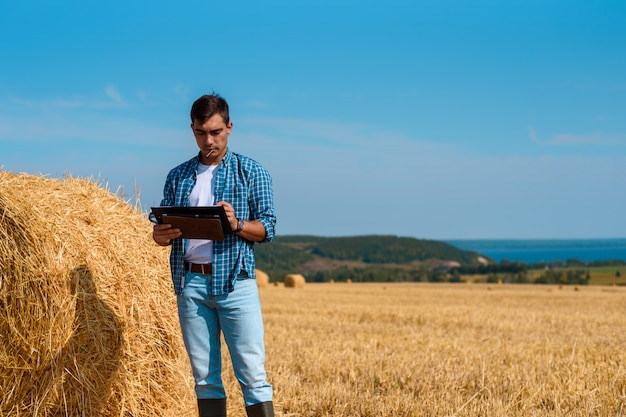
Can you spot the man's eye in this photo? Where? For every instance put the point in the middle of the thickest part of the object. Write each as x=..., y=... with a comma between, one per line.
x=215, y=132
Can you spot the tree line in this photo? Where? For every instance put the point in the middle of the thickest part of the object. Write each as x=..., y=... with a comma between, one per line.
x=344, y=274
x=393, y=259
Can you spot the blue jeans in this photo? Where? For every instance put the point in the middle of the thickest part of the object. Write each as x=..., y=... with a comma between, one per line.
x=238, y=316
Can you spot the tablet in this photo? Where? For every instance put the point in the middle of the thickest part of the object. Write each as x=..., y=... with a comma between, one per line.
x=202, y=222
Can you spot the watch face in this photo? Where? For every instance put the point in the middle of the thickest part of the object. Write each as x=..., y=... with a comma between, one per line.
x=240, y=224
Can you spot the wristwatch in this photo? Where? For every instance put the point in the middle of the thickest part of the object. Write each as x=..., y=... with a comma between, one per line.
x=240, y=226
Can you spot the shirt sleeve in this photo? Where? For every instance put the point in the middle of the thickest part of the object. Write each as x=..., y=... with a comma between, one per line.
x=169, y=193
x=262, y=202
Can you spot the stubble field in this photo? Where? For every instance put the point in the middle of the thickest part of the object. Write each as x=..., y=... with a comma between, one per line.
x=444, y=350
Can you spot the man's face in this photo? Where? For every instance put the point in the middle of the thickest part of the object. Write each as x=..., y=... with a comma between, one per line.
x=212, y=138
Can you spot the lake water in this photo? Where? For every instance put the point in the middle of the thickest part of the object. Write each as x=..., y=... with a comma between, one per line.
x=548, y=250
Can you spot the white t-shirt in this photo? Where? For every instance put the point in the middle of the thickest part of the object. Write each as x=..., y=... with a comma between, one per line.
x=200, y=251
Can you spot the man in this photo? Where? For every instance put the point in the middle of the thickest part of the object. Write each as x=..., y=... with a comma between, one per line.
x=214, y=280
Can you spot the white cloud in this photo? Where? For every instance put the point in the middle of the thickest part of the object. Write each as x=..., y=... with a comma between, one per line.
x=533, y=134
x=111, y=99
x=317, y=133
x=256, y=104
x=113, y=93
x=567, y=139
x=594, y=139
x=87, y=130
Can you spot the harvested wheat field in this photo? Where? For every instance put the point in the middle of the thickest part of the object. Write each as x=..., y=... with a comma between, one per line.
x=447, y=350
x=88, y=323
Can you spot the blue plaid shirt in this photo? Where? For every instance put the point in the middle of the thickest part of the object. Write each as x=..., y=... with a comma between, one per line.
x=247, y=186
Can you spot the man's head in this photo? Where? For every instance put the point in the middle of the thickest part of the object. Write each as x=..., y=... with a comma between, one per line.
x=207, y=106
x=211, y=126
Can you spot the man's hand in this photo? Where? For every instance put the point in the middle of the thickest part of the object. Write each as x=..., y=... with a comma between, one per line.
x=164, y=233
x=230, y=213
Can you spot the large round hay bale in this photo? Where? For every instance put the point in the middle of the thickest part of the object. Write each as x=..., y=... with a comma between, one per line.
x=87, y=312
x=294, y=281
x=262, y=279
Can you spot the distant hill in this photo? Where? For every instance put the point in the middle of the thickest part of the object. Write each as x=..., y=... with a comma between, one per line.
x=359, y=258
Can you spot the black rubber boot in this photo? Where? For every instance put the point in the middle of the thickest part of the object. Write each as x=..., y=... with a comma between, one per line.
x=212, y=407
x=265, y=409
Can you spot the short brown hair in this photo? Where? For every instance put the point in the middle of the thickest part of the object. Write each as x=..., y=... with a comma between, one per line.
x=207, y=106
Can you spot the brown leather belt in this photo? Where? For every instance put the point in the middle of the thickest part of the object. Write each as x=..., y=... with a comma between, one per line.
x=204, y=269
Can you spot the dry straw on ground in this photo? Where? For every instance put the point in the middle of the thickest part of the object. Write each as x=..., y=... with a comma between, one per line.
x=88, y=321
x=446, y=350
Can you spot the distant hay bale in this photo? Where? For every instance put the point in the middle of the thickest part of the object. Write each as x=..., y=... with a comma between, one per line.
x=88, y=319
x=348, y=281
x=294, y=281
x=262, y=279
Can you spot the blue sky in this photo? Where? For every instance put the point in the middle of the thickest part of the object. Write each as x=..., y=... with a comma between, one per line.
x=429, y=119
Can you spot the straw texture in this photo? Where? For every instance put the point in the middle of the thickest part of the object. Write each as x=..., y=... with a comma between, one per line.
x=294, y=281
x=262, y=279
x=88, y=323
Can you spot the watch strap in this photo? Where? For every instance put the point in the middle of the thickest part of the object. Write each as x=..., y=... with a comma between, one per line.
x=239, y=226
